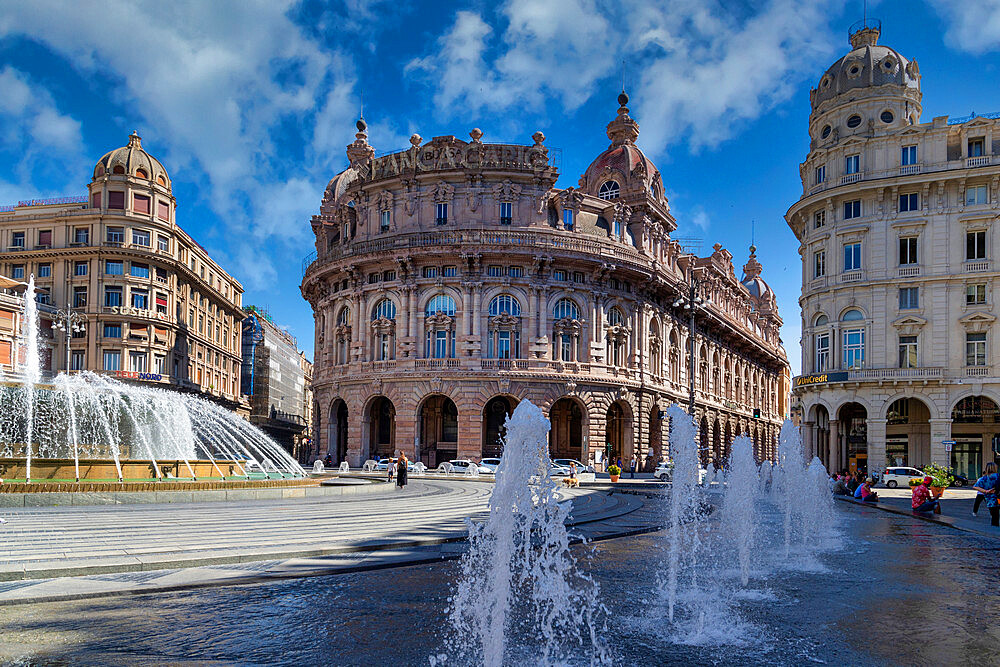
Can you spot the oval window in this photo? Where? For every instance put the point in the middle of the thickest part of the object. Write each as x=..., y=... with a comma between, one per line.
x=887, y=117
x=854, y=121
x=826, y=131
x=854, y=70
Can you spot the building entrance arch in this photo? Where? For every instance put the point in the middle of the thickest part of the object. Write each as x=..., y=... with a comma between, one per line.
x=495, y=416
x=381, y=428
x=655, y=451
x=975, y=429
x=618, y=434
x=907, y=433
x=566, y=432
x=854, y=436
x=337, y=444
x=438, y=416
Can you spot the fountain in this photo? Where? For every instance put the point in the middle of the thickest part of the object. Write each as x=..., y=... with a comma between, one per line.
x=344, y=467
x=89, y=427
x=683, y=503
x=518, y=578
x=740, y=505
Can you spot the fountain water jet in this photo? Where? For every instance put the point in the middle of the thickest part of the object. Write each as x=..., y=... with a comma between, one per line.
x=740, y=505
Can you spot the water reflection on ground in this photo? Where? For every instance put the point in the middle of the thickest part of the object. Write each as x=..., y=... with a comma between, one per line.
x=901, y=591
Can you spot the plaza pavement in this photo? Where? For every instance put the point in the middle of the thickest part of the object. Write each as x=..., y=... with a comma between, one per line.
x=52, y=553
x=956, y=509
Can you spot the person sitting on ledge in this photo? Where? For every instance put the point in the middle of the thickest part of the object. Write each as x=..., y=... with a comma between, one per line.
x=922, y=501
x=841, y=488
x=988, y=485
x=865, y=493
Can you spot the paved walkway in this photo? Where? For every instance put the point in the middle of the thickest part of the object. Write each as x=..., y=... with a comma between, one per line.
x=70, y=552
x=956, y=510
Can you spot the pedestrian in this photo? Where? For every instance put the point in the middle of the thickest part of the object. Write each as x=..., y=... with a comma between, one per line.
x=401, y=470
x=991, y=468
x=865, y=492
x=391, y=467
x=841, y=489
x=853, y=483
x=635, y=464
x=987, y=485
x=921, y=501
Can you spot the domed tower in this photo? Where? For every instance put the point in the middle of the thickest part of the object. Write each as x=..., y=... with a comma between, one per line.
x=760, y=292
x=870, y=90
x=130, y=179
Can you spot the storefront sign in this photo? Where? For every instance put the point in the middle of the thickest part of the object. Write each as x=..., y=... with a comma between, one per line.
x=137, y=312
x=820, y=378
x=134, y=375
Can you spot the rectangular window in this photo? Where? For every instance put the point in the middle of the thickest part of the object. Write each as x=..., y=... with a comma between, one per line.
x=373, y=278
x=852, y=209
x=515, y=271
x=45, y=238
x=17, y=240
x=45, y=270
x=430, y=272
x=907, y=351
x=909, y=202
x=975, y=245
x=17, y=272
x=852, y=256
x=161, y=303
x=822, y=352
x=558, y=274
x=112, y=296
x=568, y=219
x=163, y=243
x=908, y=155
x=116, y=235
x=201, y=324
x=137, y=362
x=140, y=237
x=388, y=275
x=163, y=210
x=976, y=147
x=494, y=270
x=908, y=250
x=449, y=271
x=442, y=214
x=43, y=297
x=112, y=360
x=909, y=298
x=506, y=212
x=161, y=274
x=384, y=219
x=139, y=270
x=975, y=293
x=114, y=267
x=140, y=204
x=77, y=360
x=95, y=200
x=80, y=268
x=81, y=235
x=854, y=348
x=116, y=199
x=975, y=194
x=79, y=297
x=820, y=174
x=819, y=218
x=819, y=264
x=975, y=349
x=852, y=164
x=112, y=330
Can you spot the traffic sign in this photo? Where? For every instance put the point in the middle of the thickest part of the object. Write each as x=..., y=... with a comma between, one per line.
x=948, y=444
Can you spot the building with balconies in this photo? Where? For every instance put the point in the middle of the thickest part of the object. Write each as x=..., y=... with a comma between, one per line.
x=452, y=280
x=156, y=308
x=897, y=224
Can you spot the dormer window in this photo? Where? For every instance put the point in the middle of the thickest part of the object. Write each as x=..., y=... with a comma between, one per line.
x=976, y=147
x=609, y=190
x=141, y=173
x=118, y=169
x=652, y=192
x=568, y=219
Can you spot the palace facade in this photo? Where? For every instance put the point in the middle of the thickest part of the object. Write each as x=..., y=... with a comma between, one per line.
x=898, y=230
x=148, y=304
x=453, y=279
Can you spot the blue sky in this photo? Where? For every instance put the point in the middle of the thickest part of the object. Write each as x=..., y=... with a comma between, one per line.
x=250, y=104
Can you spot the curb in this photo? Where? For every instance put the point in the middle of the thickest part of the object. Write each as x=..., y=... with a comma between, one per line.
x=941, y=520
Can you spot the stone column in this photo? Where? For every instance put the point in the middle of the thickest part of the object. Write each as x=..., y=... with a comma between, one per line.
x=834, y=464
x=477, y=290
x=411, y=311
x=876, y=445
x=941, y=431
x=809, y=440
x=357, y=335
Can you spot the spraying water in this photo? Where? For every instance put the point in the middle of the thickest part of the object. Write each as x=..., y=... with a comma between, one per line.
x=681, y=530
x=32, y=371
x=741, y=504
x=519, y=579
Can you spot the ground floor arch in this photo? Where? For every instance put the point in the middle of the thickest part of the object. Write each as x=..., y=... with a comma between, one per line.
x=381, y=420
x=438, y=419
x=566, y=417
x=853, y=437
x=975, y=431
x=655, y=452
x=338, y=428
x=717, y=444
x=704, y=449
x=907, y=432
x=495, y=416
x=618, y=434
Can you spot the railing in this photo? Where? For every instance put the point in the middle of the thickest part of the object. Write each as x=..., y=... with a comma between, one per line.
x=909, y=271
x=977, y=266
x=504, y=364
x=437, y=363
x=386, y=365
x=978, y=161
x=851, y=178
x=868, y=374
x=978, y=371
x=852, y=276
x=908, y=169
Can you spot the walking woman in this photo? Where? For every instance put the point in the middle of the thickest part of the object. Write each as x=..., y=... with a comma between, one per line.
x=401, y=470
x=987, y=485
x=991, y=468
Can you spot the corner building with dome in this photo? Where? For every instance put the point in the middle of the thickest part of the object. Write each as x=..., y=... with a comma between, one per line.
x=897, y=225
x=453, y=280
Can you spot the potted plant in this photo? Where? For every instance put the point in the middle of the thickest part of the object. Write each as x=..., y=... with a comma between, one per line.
x=614, y=471
x=941, y=478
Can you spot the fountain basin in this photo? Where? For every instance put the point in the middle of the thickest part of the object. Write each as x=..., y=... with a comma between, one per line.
x=63, y=470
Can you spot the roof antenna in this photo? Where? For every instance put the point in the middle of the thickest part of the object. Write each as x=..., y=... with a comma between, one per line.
x=753, y=245
x=623, y=75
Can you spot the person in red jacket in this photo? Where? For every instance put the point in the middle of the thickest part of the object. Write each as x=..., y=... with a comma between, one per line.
x=922, y=501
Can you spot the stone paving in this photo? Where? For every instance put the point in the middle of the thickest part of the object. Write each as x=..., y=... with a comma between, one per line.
x=52, y=553
x=956, y=510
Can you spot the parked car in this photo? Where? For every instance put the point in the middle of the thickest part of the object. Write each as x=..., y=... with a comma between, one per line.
x=461, y=466
x=901, y=476
x=961, y=480
x=663, y=471
x=579, y=466
x=490, y=463
x=558, y=470
x=383, y=465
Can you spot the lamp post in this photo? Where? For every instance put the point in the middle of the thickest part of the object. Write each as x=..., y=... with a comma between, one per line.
x=691, y=303
x=69, y=322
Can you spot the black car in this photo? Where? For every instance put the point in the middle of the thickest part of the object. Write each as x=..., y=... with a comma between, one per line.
x=961, y=480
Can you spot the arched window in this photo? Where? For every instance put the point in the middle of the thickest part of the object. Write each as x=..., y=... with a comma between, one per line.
x=615, y=317
x=609, y=190
x=617, y=338
x=505, y=304
x=821, y=320
x=141, y=173
x=118, y=169
x=853, y=315
x=442, y=303
x=342, y=334
x=854, y=340
x=345, y=316
x=566, y=330
x=384, y=330
x=439, y=323
x=504, y=328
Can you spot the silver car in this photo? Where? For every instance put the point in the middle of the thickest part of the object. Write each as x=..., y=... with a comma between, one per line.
x=580, y=467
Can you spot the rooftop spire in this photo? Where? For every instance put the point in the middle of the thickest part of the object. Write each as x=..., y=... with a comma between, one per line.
x=623, y=129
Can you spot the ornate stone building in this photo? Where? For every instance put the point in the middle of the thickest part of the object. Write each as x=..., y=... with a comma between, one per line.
x=897, y=225
x=453, y=280
x=156, y=308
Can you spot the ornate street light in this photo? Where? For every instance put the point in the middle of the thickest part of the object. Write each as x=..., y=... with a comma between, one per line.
x=691, y=303
x=69, y=322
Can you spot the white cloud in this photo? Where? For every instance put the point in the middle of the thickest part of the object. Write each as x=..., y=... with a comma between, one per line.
x=973, y=27
x=31, y=118
x=705, y=67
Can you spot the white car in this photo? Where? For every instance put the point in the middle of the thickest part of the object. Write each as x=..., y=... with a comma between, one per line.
x=558, y=470
x=579, y=466
x=901, y=476
x=663, y=471
x=489, y=463
x=462, y=465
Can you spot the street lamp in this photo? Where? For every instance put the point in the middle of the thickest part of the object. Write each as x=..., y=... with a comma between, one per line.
x=691, y=303
x=69, y=322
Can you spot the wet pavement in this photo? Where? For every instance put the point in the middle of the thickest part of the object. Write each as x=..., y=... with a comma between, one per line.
x=896, y=590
